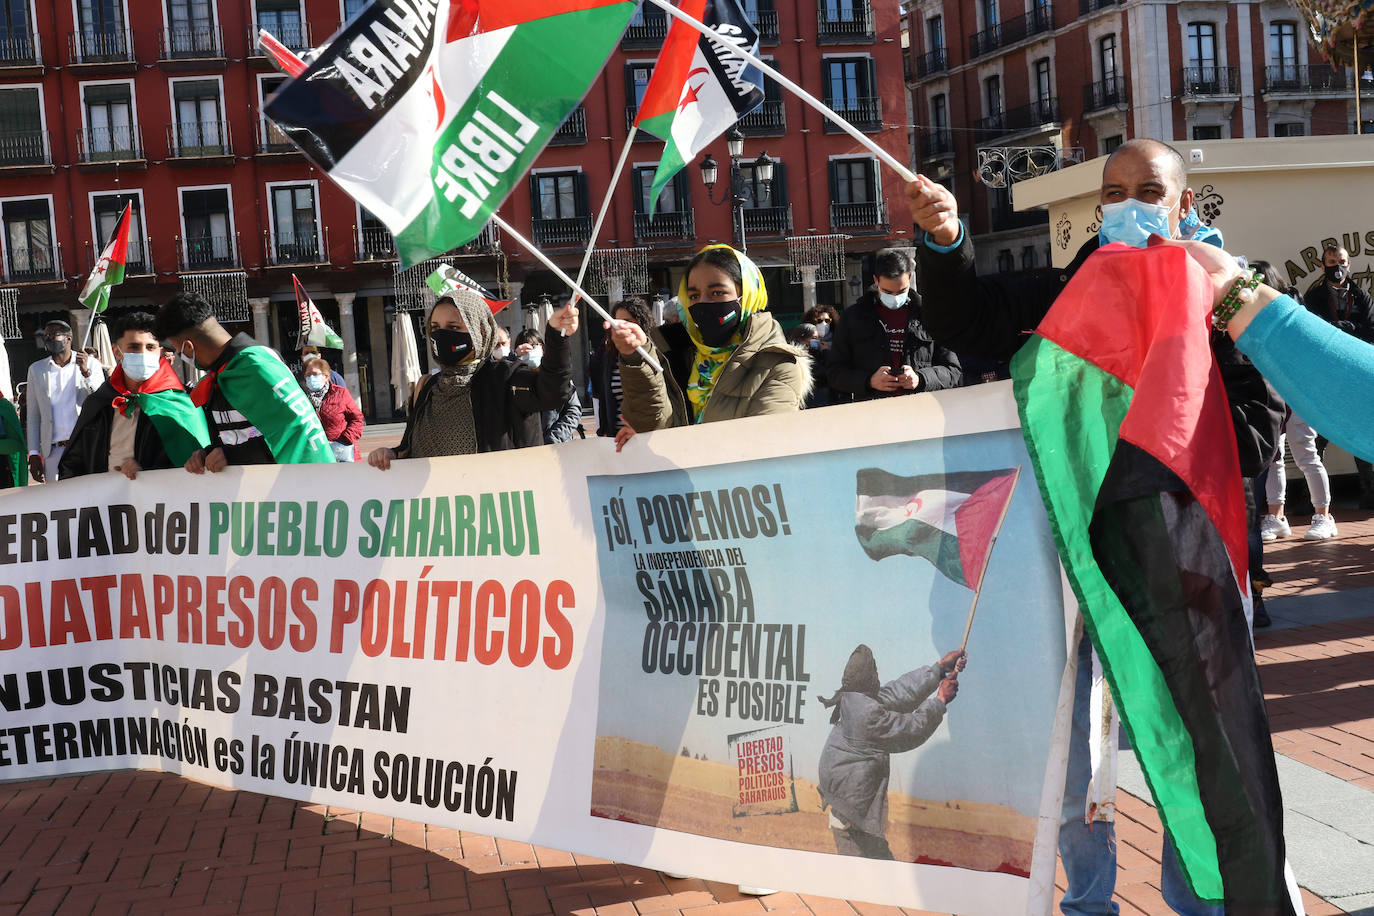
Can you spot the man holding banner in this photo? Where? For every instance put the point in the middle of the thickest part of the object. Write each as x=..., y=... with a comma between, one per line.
x=257, y=412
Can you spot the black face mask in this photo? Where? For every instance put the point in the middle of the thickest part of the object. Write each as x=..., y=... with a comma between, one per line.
x=449, y=347
x=1337, y=273
x=716, y=322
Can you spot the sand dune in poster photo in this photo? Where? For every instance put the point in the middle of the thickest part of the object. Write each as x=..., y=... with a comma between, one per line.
x=643, y=784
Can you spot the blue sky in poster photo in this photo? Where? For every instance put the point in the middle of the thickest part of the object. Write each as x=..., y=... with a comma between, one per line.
x=902, y=607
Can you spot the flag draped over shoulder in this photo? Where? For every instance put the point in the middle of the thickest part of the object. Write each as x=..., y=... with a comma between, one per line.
x=109, y=270
x=180, y=424
x=1130, y=433
x=948, y=519
x=312, y=330
x=427, y=112
x=698, y=90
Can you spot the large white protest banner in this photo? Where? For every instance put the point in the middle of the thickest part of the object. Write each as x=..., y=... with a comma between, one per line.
x=619, y=654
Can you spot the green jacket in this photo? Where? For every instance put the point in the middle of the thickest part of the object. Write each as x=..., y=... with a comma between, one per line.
x=765, y=375
x=12, y=446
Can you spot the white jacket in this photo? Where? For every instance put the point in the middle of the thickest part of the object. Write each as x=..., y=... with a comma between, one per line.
x=44, y=378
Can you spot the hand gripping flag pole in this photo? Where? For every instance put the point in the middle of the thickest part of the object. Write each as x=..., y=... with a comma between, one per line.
x=574, y=285
x=808, y=98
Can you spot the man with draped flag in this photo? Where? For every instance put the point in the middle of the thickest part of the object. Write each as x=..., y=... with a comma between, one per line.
x=428, y=112
x=697, y=90
x=141, y=419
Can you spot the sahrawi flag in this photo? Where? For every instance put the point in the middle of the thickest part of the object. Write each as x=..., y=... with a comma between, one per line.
x=428, y=112
x=109, y=270
x=699, y=90
x=312, y=331
x=1130, y=433
x=949, y=519
x=447, y=278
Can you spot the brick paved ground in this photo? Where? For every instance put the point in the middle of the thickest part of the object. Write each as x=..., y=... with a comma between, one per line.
x=150, y=843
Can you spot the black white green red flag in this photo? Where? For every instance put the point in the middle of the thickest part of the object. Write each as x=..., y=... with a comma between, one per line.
x=428, y=112
x=949, y=519
x=312, y=330
x=109, y=270
x=1129, y=429
x=697, y=90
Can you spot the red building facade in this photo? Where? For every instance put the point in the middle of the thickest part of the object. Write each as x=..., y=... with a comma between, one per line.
x=104, y=102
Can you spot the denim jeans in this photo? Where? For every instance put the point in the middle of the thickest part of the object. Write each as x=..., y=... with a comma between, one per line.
x=1088, y=851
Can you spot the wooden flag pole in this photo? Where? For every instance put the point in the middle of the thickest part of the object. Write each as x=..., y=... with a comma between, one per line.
x=987, y=562
x=605, y=206
x=808, y=98
x=558, y=272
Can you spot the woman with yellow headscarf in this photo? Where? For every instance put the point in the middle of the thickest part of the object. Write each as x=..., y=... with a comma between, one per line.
x=726, y=359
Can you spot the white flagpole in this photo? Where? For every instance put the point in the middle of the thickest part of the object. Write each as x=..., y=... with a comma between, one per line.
x=605, y=207
x=808, y=98
x=558, y=272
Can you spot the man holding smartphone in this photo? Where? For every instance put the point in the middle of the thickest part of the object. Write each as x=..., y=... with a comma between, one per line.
x=879, y=348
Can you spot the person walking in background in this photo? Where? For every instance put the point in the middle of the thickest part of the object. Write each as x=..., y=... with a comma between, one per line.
x=339, y=415
x=141, y=419
x=603, y=369
x=727, y=358
x=57, y=387
x=880, y=347
x=254, y=405
x=475, y=403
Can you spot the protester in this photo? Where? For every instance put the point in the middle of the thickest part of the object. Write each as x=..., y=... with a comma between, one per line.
x=14, y=470
x=1144, y=191
x=881, y=348
x=475, y=403
x=603, y=369
x=502, y=348
x=57, y=387
x=339, y=415
x=559, y=425
x=256, y=410
x=141, y=419
x=825, y=319
x=310, y=352
x=871, y=721
x=1341, y=301
x=1287, y=342
x=726, y=359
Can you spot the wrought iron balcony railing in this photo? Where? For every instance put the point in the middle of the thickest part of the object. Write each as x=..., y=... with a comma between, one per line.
x=1005, y=34
x=1198, y=81
x=198, y=139
x=665, y=226
x=769, y=118
x=931, y=62
x=295, y=36
x=270, y=140
x=1021, y=118
x=191, y=42
x=844, y=22
x=863, y=113
x=20, y=49
x=1106, y=93
x=768, y=222
x=936, y=144
x=208, y=252
x=33, y=263
x=1316, y=79
x=562, y=232
x=104, y=46
x=289, y=248
x=110, y=144
x=374, y=243
x=766, y=22
x=1086, y=7
x=573, y=130
x=870, y=215
x=647, y=29
x=24, y=147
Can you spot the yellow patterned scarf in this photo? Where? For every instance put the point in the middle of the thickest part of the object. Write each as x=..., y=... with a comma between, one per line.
x=708, y=360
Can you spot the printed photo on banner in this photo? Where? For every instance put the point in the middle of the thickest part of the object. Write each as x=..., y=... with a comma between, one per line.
x=749, y=692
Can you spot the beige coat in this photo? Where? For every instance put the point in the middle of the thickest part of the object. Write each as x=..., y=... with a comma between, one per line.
x=765, y=375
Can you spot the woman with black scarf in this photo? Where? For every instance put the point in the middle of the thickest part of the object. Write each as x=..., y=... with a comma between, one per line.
x=476, y=404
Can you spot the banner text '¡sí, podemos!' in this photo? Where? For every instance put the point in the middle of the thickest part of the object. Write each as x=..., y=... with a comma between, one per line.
x=465, y=169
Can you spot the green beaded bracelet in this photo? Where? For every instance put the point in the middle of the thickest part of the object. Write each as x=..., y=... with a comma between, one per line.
x=1241, y=292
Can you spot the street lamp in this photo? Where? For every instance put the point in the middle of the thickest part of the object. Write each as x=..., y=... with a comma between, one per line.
x=739, y=187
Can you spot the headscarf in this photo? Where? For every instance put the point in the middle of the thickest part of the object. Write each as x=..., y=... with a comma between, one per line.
x=860, y=676
x=708, y=360
x=446, y=426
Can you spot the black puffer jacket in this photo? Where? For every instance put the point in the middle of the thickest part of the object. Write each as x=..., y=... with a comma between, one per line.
x=859, y=348
x=992, y=317
x=89, y=449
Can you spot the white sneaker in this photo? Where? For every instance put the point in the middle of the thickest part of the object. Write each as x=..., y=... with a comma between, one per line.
x=1273, y=527
x=1321, y=528
x=755, y=891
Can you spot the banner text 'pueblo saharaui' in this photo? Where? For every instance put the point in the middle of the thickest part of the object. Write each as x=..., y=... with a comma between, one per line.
x=629, y=655
x=427, y=112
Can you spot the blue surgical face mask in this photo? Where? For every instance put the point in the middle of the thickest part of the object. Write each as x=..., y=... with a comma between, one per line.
x=533, y=357
x=316, y=383
x=893, y=301
x=1133, y=222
